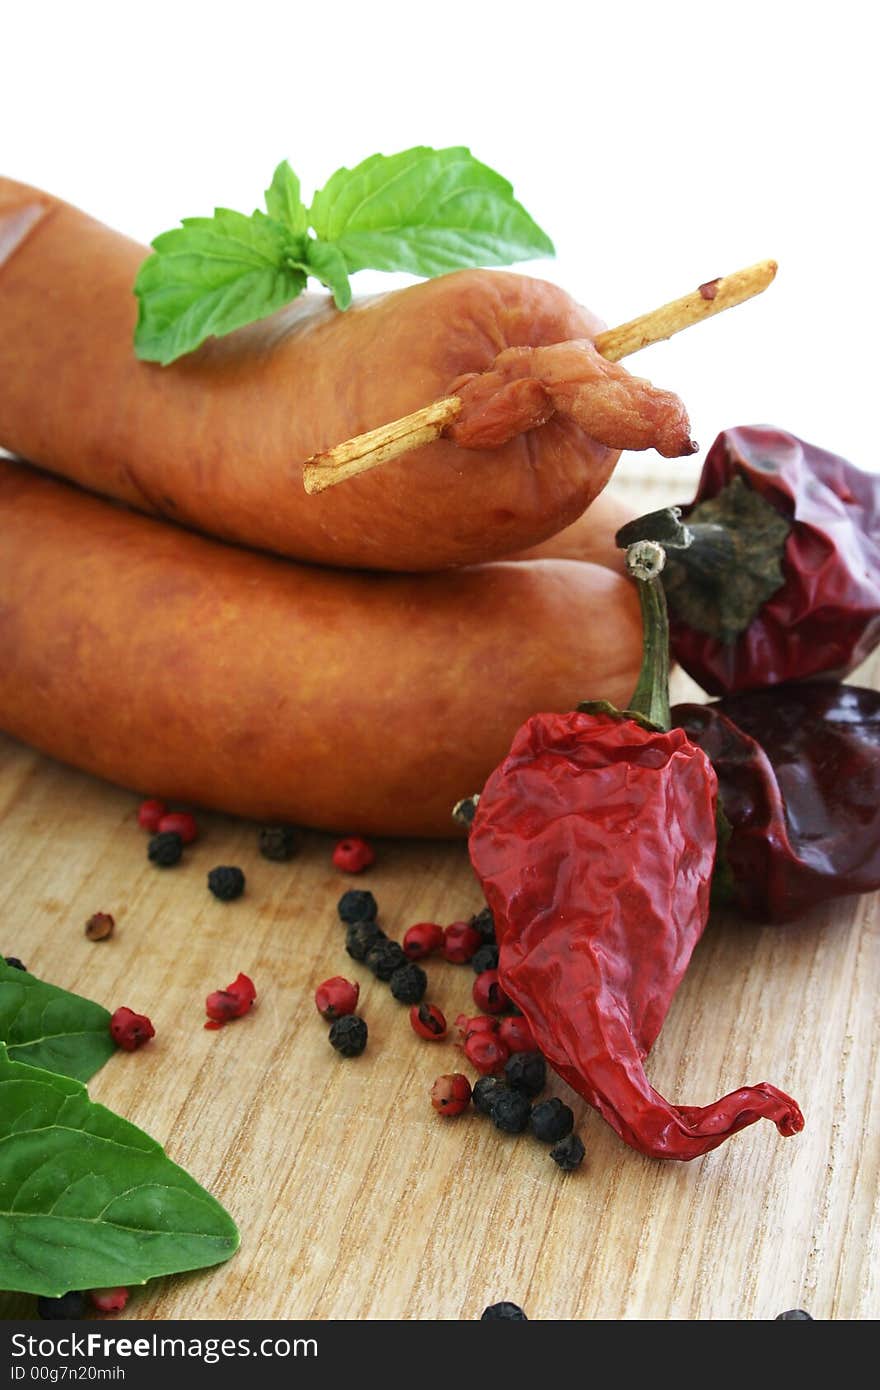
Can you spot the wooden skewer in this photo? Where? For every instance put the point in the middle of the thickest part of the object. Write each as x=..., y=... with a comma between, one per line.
x=389, y=441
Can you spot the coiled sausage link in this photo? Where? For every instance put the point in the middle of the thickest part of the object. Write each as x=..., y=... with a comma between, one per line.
x=186, y=668
x=217, y=440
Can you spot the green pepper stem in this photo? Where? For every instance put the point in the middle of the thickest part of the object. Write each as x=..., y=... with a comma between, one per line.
x=645, y=561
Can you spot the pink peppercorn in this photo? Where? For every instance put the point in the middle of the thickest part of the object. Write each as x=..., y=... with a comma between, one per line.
x=486, y=1052
x=180, y=823
x=488, y=994
x=109, y=1300
x=450, y=1095
x=352, y=855
x=428, y=1021
x=232, y=1002
x=336, y=997
x=460, y=941
x=480, y=1023
x=422, y=940
x=517, y=1034
x=150, y=813
x=130, y=1030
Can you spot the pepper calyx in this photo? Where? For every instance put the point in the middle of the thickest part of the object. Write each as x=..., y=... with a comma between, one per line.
x=612, y=712
x=718, y=584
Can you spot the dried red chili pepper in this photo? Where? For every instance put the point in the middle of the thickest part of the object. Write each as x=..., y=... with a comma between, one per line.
x=594, y=843
x=782, y=579
x=798, y=770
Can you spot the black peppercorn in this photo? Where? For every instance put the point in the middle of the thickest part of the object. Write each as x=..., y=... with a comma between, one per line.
x=357, y=905
x=384, y=958
x=485, y=1092
x=165, y=849
x=568, y=1153
x=526, y=1072
x=486, y=958
x=361, y=937
x=15, y=963
x=508, y=1311
x=484, y=923
x=552, y=1120
x=408, y=983
x=277, y=842
x=510, y=1111
x=349, y=1035
x=792, y=1315
x=69, y=1305
x=226, y=882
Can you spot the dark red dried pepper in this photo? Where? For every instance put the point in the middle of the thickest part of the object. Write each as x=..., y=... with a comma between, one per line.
x=594, y=842
x=798, y=770
x=782, y=581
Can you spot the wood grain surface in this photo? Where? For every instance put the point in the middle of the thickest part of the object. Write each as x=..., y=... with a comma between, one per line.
x=354, y=1199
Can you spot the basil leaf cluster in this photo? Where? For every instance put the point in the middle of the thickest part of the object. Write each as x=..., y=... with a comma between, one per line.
x=423, y=211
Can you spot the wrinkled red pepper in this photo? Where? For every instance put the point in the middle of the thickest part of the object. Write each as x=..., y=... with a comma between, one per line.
x=798, y=770
x=594, y=842
x=782, y=581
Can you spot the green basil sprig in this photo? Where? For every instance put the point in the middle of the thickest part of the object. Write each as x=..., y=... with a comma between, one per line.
x=48, y=1027
x=88, y=1200
x=424, y=211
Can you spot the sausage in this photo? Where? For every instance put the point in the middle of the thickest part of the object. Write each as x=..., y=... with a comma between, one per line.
x=217, y=440
x=591, y=537
x=186, y=668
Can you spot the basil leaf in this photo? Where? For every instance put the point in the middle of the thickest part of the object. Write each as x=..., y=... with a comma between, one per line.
x=48, y=1027
x=212, y=275
x=426, y=211
x=327, y=264
x=283, y=201
x=87, y=1200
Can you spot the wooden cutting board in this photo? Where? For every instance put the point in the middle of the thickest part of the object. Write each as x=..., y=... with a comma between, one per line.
x=354, y=1199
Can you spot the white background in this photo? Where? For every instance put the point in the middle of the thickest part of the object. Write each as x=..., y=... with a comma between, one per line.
x=658, y=144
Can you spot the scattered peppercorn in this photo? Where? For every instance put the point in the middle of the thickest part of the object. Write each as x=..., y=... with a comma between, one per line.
x=488, y=994
x=15, y=963
x=384, y=958
x=422, y=940
x=510, y=1312
x=336, y=997
x=234, y=1001
x=428, y=1021
x=99, y=926
x=568, y=1153
x=460, y=941
x=408, y=983
x=150, y=813
x=277, y=842
x=353, y=855
x=552, y=1120
x=349, y=1035
x=486, y=1052
x=794, y=1314
x=527, y=1072
x=484, y=923
x=69, y=1305
x=130, y=1030
x=486, y=958
x=226, y=882
x=180, y=823
x=361, y=937
x=165, y=850
x=357, y=905
x=480, y=1023
x=109, y=1300
x=510, y=1110
x=451, y=1094
x=516, y=1032
x=485, y=1092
